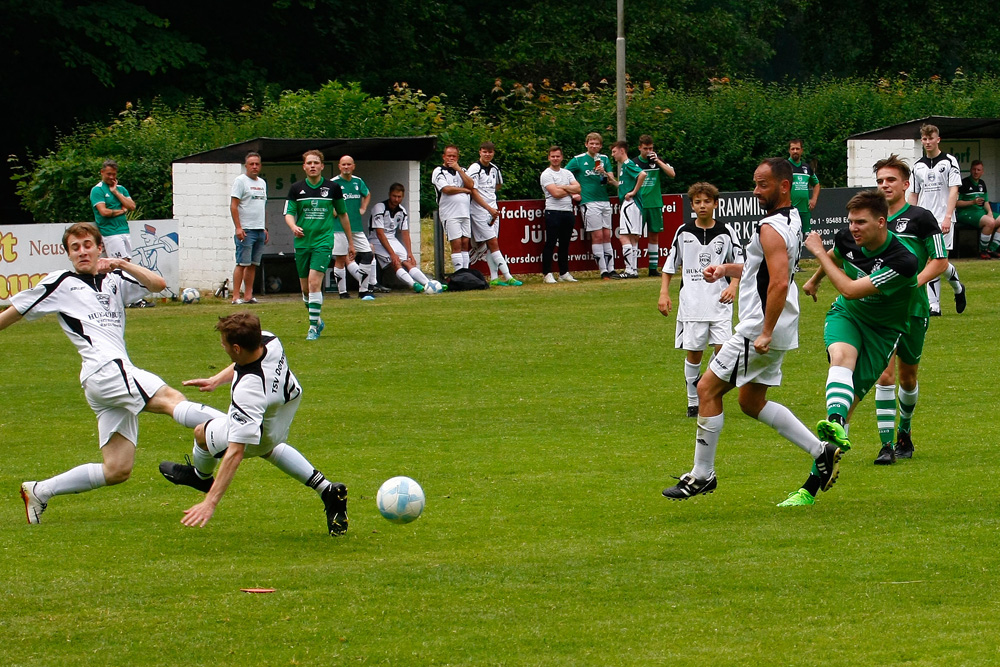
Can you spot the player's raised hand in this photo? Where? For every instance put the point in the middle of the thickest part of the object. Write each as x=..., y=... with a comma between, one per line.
x=714, y=272
x=814, y=244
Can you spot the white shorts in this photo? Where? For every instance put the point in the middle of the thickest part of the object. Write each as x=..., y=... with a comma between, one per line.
x=738, y=363
x=949, y=238
x=482, y=230
x=456, y=228
x=118, y=245
x=217, y=440
x=383, y=257
x=117, y=393
x=630, y=218
x=696, y=336
x=596, y=215
x=340, y=243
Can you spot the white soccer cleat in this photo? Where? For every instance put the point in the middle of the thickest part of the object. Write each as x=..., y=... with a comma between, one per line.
x=568, y=278
x=549, y=278
x=33, y=507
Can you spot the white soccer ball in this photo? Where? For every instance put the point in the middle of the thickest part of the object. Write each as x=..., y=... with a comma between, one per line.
x=273, y=284
x=400, y=500
x=190, y=295
x=433, y=287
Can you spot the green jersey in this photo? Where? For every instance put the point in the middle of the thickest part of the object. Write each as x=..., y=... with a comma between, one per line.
x=892, y=269
x=803, y=181
x=101, y=193
x=315, y=208
x=650, y=194
x=591, y=187
x=627, y=179
x=918, y=230
x=354, y=191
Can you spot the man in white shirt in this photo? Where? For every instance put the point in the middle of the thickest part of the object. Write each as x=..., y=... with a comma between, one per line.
x=454, y=189
x=558, y=185
x=488, y=179
x=247, y=204
x=390, y=239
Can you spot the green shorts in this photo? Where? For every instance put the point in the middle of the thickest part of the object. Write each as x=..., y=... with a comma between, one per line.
x=312, y=259
x=874, y=346
x=806, y=222
x=911, y=344
x=652, y=220
x=969, y=216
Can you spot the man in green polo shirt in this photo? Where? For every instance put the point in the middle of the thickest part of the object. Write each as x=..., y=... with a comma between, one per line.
x=111, y=203
x=805, y=185
x=973, y=210
x=314, y=210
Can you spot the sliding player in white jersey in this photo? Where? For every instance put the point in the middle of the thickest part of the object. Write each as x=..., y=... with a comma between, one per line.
x=90, y=302
x=768, y=327
x=705, y=311
x=390, y=239
x=265, y=395
x=488, y=179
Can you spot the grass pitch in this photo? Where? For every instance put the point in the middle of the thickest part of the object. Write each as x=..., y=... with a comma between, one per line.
x=542, y=422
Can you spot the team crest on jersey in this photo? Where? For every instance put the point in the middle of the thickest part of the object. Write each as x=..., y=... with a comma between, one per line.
x=718, y=246
x=239, y=419
x=105, y=300
x=901, y=225
x=704, y=259
x=877, y=265
x=850, y=254
x=323, y=192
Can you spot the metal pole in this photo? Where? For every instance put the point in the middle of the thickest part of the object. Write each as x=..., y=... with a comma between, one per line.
x=620, y=68
x=438, y=249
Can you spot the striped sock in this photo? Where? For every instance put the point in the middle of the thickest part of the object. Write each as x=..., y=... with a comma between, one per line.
x=839, y=391
x=907, y=404
x=885, y=413
x=984, y=242
x=654, y=256
x=315, y=307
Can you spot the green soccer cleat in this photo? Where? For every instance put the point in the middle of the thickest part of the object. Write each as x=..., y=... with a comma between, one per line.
x=514, y=282
x=418, y=288
x=498, y=282
x=797, y=498
x=833, y=433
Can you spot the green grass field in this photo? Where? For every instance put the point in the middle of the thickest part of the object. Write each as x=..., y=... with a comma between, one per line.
x=543, y=423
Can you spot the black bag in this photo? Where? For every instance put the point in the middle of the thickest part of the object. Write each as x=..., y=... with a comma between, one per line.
x=467, y=279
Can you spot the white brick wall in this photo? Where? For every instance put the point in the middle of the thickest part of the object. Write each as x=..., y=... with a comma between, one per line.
x=863, y=153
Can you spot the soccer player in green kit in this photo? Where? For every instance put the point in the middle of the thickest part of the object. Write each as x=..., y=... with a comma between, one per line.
x=312, y=210
x=629, y=210
x=876, y=276
x=593, y=171
x=805, y=184
x=918, y=229
x=356, y=200
x=651, y=198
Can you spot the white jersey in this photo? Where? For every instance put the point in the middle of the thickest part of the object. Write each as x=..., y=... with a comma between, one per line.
x=91, y=312
x=486, y=179
x=450, y=206
x=693, y=249
x=264, y=397
x=755, y=279
x=252, y=193
x=932, y=179
x=387, y=220
x=561, y=177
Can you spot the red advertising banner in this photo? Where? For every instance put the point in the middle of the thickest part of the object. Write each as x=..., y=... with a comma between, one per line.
x=522, y=236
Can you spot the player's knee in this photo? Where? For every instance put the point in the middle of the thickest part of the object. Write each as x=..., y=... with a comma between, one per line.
x=751, y=405
x=364, y=257
x=199, y=435
x=116, y=472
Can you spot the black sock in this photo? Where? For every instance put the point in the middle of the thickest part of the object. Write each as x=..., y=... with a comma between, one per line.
x=812, y=485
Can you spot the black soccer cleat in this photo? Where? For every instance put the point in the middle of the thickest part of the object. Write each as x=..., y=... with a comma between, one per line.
x=345, y=295
x=335, y=501
x=828, y=466
x=687, y=485
x=653, y=273
x=904, y=446
x=380, y=289
x=692, y=411
x=886, y=457
x=960, y=300
x=178, y=473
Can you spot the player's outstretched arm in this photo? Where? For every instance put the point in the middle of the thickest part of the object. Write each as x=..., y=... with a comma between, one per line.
x=151, y=280
x=225, y=376
x=199, y=514
x=8, y=317
x=850, y=289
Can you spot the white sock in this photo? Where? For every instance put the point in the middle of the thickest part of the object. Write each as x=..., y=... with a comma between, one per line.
x=492, y=263
x=781, y=419
x=203, y=461
x=501, y=263
x=598, y=250
x=288, y=460
x=456, y=260
x=404, y=276
x=372, y=273
x=609, y=256
x=190, y=414
x=366, y=279
x=691, y=372
x=341, y=276
x=627, y=251
x=465, y=259
x=951, y=274
x=81, y=478
x=355, y=271
x=419, y=276
x=709, y=429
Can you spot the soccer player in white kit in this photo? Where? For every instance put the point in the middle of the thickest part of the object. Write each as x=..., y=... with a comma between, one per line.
x=265, y=395
x=768, y=327
x=390, y=239
x=488, y=179
x=90, y=301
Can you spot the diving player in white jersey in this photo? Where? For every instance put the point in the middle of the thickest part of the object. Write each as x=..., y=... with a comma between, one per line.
x=90, y=301
x=390, y=239
x=768, y=327
x=265, y=396
x=934, y=184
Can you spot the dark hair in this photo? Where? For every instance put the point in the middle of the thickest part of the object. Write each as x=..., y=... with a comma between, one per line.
x=553, y=149
x=781, y=168
x=313, y=151
x=109, y=163
x=241, y=329
x=82, y=229
x=396, y=186
x=870, y=200
x=893, y=162
x=488, y=145
x=974, y=163
x=645, y=140
x=927, y=130
x=796, y=141
x=703, y=188
x=620, y=144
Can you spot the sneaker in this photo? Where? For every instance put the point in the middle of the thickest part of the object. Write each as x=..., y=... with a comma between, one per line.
x=497, y=282
x=549, y=278
x=653, y=273
x=368, y=296
x=567, y=278
x=614, y=275
x=994, y=254
x=514, y=282
x=692, y=411
x=418, y=288
x=142, y=303
x=252, y=300
x=321, y=326
x=630, y=275
x=345, y=295
x=237, y=302
x=33, y=507
x=688, y=486
x=605, y=276
x=798, y=498
x=935, y=312
x=886, y=457
x=834, y=433
x=828, y=465
x=904, y=446
x=380, y=289
x=335, y=501
x=983, y=254
x=179, y=473
x=959, y=300
x=312, y=334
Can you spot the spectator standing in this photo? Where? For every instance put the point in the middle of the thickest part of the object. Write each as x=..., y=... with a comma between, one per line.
x=651, y=197
x=488, y=180
x=631, y=178
x=112, y=203
x=805, y=185
x=247, y=205
x=454, y=189
x=356, y=200
x=559, y=187
x=593, y=171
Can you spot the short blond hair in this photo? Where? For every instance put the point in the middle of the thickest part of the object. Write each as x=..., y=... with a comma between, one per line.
x=594, y=135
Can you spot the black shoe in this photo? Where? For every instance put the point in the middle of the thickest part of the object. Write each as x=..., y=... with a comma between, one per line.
x=960, y=300
x=828, y=466
x=605, y=276
x=886, y=457
x=935, y=313
x=142, y=303
x=345, y=295
x=614, y=275
x=904, y=446
x=379, y=289
x=653, y=273
x=692, y=411
x=688, y=486
x=178, y=473
x=335, y=500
